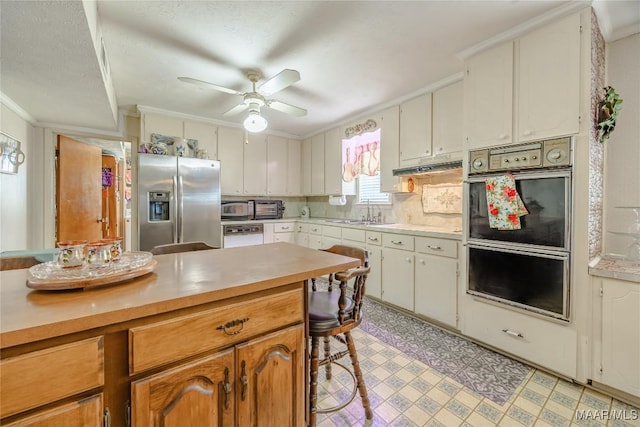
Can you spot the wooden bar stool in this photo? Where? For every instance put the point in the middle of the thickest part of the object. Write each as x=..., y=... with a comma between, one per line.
x=333, y=314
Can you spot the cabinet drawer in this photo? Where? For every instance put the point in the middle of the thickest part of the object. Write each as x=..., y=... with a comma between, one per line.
x=171, y=340
x=398, y=241
x=284, y=237
x=335, y=232
x=374, y=238
x=315, y=229
x=547, y=344
x=84, y=412
x=62, y=371
x=302, y=228
x=354, y=234
x=283, y=227
x=433, y=246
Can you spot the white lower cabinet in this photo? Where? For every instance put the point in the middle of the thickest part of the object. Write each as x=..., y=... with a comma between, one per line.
x=315, y=236
x=284, y=232
x=543, y=342
x=374, y=247
x=620, y=365
x=436, y=279
x=397, y=270
x=302, y=235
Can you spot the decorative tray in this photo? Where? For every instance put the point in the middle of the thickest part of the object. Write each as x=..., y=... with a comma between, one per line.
x=50, y=276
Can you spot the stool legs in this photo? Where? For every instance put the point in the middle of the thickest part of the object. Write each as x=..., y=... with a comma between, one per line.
x=327, y=354
x=313, y=382
x=359, y=378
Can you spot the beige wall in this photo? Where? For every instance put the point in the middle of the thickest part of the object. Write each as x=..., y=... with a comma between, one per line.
x=622, y=150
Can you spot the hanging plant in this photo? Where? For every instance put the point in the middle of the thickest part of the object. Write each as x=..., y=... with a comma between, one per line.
x=608, y=110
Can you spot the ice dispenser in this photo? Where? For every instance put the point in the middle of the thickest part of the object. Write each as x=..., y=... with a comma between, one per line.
x=159, y=206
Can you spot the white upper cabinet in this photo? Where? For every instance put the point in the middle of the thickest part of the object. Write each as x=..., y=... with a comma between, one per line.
x=294, y=158
x=549, y=81
x=415, y=129
x=389, y=149
x=277, y=166
x=488, y=98
x=447, y=119
x=317, y=165
x=255, y=165
x=305, y=166
x=333, y=162
x=160, y=124
x=231, y=154
x=206, y=134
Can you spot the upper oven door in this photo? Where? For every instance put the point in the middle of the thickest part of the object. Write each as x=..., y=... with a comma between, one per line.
x=547, y=197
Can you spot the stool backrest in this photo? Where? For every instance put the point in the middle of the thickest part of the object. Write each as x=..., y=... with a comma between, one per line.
x=173, y=248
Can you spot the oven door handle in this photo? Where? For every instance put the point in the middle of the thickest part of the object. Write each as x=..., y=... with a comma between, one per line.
x=522, y=250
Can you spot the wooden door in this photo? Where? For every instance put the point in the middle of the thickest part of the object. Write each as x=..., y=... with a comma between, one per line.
x=271, y=380
x=111, y=226
x=78, y=190
x=199, y=393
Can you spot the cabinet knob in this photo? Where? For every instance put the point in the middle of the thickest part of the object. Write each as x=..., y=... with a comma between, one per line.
x=503, y=136
x=408, y=260
x=422, y=262
x=527, y=132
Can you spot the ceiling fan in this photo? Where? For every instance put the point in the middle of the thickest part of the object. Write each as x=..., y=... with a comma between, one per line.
x=257, y=97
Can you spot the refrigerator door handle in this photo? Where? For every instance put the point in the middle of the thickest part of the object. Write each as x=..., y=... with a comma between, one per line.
x=181, y=208
x=175, y=210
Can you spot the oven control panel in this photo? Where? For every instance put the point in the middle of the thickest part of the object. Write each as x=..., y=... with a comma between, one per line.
x=542, y=154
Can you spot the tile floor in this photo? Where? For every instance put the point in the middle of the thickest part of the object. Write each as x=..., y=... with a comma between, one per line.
x=406, y=391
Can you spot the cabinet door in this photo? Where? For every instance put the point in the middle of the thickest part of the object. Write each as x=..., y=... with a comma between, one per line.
x=206, y=134
x=231, y=154
x=374, y=279
x=389, y=149
x=294, y=167
x=333, y=162
x=277, y=167
x=436, y=288
x=255, y=165
x=305, y=170
x=271, y=379
x=302, y=239
x=160, y=124
x=488, y=98
x=415, y=129
x=447, y=119
x=621, y=327
x=85, y=413
x=549, y=95
x=317, y=165
x=397, y=277
x=197, y=393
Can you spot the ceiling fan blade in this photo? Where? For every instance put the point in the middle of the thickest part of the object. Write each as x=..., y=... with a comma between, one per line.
x=278, y=82
x=209, y=85
x=287, y=108
x=237, y=109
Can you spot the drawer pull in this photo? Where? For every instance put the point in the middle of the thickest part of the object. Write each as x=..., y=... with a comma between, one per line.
x=435, y=248
x=512, y=333
x=106, y=417
x=285, y=227
x=227, y=388
x=231, y=324
x=396, y=242
x=243, y=379
x=373, y=239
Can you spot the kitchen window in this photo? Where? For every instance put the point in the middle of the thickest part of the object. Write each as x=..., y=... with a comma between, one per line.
x=369, y=190
x=361, y=166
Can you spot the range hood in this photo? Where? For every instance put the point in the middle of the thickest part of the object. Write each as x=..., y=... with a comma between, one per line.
x=428, y=168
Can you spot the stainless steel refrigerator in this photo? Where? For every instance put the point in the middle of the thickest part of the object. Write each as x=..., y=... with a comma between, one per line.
x=178, y=201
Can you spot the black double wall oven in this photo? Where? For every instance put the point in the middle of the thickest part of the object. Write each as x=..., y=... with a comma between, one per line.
x=528, y=267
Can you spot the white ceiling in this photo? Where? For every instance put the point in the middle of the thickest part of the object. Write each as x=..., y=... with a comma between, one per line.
x=353, y=57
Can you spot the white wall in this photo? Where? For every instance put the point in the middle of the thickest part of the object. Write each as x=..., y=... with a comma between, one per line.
x=20, y=194
x=622, y=150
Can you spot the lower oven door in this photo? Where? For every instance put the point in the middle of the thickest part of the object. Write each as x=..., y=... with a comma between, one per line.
x=536, y=281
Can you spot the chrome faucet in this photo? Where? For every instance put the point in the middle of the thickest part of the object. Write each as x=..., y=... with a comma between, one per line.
x=368, y=211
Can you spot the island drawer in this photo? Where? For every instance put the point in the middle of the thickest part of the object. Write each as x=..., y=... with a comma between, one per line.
x=434, y=246
x=398, y=241
x=171, y=340
x=62, y=371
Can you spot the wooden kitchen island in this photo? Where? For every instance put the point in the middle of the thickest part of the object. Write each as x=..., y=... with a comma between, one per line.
x=216, y=336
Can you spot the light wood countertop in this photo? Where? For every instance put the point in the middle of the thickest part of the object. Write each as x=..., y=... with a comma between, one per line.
x=179, y=281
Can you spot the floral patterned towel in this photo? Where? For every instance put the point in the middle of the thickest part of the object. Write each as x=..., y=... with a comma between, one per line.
x=504, y=203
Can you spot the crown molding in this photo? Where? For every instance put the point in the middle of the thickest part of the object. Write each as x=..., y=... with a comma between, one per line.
x=21, y=112
x=528, y=26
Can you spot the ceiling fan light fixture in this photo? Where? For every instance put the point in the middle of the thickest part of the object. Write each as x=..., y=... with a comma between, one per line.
x=255, y=122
